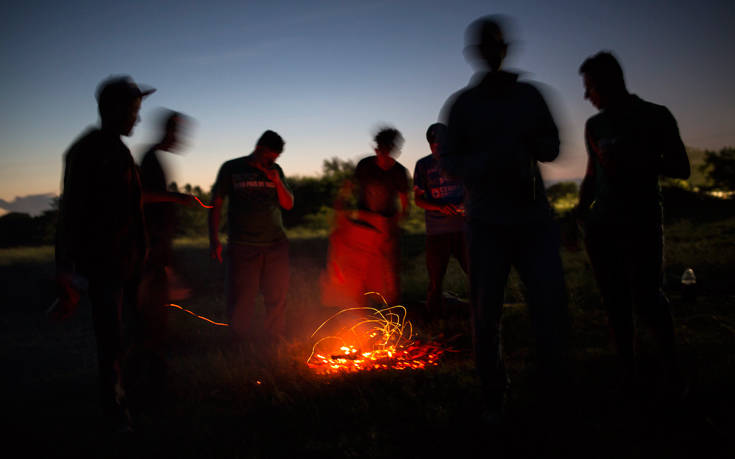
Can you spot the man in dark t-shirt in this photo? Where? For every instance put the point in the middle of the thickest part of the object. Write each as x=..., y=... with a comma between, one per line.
x=630, y=144
x=257, y=248
x=382, y=200
x=442, y=198
x=363, y=247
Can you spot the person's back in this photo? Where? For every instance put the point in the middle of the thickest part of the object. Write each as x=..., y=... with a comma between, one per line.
x=101, y=223
x=498, y=129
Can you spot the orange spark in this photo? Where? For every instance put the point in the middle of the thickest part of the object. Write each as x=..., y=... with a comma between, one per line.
x=198, y=316
x=202, y=204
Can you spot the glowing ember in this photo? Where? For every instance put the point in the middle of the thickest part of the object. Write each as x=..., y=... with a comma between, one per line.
x=374, y=339
x=206, y=206
x=198, y=316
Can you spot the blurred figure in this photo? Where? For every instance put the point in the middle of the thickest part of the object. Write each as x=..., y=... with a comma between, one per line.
x=160, y=217
x=498, y=128
x=442, y=198
x=364, y=247
x=257, y=247
x=101, y=234
x=630, y=143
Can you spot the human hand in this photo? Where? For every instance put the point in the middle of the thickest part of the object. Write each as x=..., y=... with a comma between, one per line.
x=449, y=209
x=269, y=171
x=215, y=250
x=68, y=297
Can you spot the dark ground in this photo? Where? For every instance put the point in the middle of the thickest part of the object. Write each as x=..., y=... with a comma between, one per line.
x=212, y=405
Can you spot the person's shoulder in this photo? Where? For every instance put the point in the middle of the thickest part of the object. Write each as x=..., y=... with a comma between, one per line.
x=455, y=102
x=400, y=167
x=236, y=163
x=650, y=110
x=365, y=162
x=150, y=157
x=88, y=137
x=425, y=161
x=595, y=120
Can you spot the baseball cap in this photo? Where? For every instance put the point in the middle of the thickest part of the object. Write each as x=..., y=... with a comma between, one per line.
x=120, y=88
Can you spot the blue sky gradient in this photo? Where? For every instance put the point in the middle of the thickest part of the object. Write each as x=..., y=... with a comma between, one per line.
x=325, y=74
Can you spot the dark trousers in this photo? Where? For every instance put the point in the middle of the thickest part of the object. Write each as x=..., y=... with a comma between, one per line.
x=439, y=248
x=113, y=306
x=252, y=269
x=533, y=249
x=627, y=260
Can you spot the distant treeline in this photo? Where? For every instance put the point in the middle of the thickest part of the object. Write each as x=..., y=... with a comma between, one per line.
x=315, y=197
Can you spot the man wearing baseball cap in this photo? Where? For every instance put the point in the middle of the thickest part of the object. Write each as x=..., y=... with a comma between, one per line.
x=101, y=236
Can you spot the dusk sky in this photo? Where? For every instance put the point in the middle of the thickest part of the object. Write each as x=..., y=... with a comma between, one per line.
x=326, y=74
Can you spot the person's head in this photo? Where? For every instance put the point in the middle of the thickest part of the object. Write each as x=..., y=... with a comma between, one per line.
x=172, y=124
x=118, y=103
x=435, y=135
x=603, y=79
x=388, y=141
x=485, y=42
x=268, y=147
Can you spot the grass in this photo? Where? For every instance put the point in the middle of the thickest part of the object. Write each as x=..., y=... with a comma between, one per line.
x=226, y=399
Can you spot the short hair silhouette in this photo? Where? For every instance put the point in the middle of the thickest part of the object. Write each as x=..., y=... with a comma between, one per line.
x=436, y=132
x=605, y=72
x=271, y=141
x=388, y=139
x=486, y=40
x=171, y=119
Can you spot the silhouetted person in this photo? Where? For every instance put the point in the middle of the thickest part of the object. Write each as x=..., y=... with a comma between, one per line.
x=257, y=247
x=630, y=144
x=101, y=234
x=498, y=128
x=442, y=197
x=382, y=185
x=160, y=218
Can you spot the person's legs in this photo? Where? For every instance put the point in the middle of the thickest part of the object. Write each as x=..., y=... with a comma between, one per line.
x=274, y=283
x=490, y=252
x=106, y=297
x=539, y=266
x=652, y=305
x=242, y=283
x=459, y=249
x=438, y=248
x=608, y=252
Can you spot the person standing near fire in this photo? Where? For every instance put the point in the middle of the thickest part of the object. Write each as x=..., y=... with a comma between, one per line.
x=630, y=144
x=442, y=198
x=364, y=245
x=257, y=247
x=498, y=129
x=158, y=286
x=101, y=236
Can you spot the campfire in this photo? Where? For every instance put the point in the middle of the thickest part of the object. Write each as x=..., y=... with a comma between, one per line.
x=370, y=339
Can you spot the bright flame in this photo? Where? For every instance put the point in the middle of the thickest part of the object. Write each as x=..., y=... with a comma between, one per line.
x=378, y=339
